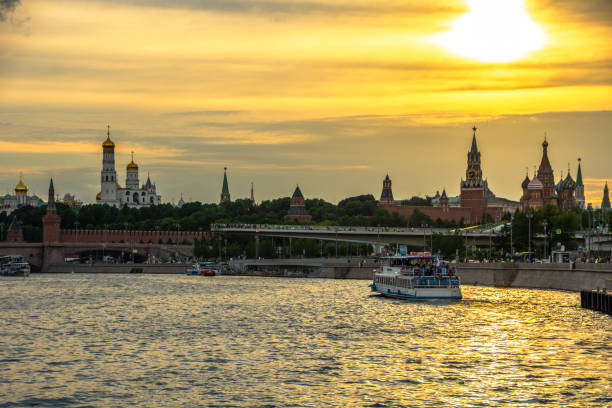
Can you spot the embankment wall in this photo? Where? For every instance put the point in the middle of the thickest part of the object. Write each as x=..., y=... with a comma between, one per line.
x=581, y=276
x=118, y=268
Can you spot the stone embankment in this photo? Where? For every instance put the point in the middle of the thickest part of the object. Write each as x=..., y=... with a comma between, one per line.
x=520, y=275
x=119, y=268
x=577, y=277
x=573, y=277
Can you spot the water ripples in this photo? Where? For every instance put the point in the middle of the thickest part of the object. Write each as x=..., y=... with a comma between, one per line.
x=117, y=340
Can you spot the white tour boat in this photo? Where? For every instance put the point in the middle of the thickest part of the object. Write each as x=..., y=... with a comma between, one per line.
x=14, y=265
x=416, y=277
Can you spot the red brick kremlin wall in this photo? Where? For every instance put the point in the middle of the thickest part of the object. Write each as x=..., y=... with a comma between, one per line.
x=444, y=214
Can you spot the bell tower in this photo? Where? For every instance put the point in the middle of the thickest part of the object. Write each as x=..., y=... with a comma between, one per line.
x=108, y=182
x=474, y=190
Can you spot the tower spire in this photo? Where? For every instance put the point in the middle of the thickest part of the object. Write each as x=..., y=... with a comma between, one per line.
x=252, y=193
x=51, y=201
x=225, y=194
x=474, y=148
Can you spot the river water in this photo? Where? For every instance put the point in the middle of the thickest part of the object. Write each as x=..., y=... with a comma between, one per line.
x=173, y=340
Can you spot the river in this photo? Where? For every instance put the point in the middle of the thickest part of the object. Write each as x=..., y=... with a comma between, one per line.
x=92, y=340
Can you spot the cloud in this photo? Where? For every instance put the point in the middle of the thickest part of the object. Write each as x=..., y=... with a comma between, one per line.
x=286, y=7
x=599, y=11
x=7, y=7
x=207, y=113
x=59, y=147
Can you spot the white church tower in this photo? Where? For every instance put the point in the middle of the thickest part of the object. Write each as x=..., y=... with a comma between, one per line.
x=131, y=178
x=108, y=191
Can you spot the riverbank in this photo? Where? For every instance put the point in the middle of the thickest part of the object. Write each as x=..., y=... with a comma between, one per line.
x=518, y=275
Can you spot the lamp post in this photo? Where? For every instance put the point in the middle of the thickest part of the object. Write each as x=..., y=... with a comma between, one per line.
x=76, y=231
x=545, y=233
x=529, y=217
x=104, y=242
x=511, y=241
x=178, y=227
x=336, y=241
x=423, y=225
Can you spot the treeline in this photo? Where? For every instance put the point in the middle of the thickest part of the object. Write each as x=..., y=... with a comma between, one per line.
x=559, y=226
x=195, y=216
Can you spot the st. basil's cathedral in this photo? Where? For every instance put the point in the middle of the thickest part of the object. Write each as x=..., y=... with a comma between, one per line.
x=542, y=190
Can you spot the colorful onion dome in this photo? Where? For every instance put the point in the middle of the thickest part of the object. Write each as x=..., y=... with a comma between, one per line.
x=535, y=184
x=525, y=183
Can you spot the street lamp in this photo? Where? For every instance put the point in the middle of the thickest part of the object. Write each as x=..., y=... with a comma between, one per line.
x=529, y=217
x=178, y=227
x=336, y=242
x=423, y=227
x=511, y=241
x=104, y=242
x=545, y=233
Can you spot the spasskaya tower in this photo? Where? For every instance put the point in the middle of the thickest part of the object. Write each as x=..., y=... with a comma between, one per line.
x=474, y=190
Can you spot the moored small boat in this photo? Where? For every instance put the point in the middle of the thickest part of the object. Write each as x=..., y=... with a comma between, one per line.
x=203, y=269
x=14, y=265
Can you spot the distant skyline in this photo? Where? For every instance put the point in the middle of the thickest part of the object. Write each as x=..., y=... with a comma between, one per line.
x=331, y=95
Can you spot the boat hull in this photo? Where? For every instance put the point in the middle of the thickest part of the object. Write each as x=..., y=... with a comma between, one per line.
x=419, y=293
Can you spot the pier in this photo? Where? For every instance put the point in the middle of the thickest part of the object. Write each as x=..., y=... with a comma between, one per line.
x=600, y=301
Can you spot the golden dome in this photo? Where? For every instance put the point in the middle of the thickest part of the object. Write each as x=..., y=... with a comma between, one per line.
x=132, y=165
x=108, y=142
x=98, y=196
x=21, y=188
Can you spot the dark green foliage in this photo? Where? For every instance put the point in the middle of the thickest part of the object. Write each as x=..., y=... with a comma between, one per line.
x=419, y=218
x=360, y=199
x=415, y=200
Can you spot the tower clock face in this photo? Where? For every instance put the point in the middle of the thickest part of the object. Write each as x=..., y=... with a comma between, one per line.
x=471, y=174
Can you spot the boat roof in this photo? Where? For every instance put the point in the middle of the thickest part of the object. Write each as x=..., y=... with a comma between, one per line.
x=409, y=257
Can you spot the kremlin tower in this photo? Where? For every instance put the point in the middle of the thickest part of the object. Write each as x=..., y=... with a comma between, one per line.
x=386, y=197
x=225, y=194
x=297, y=207
x=51, y=221
x=474, y=190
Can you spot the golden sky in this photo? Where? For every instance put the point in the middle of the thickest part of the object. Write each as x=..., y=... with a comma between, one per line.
x=330, y=95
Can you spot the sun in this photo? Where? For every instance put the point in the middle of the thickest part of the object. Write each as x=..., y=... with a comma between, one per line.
x=493, y=31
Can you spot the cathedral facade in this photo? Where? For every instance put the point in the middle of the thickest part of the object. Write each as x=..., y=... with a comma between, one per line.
x=541, y=190
x=9, y=202
x=133, y=194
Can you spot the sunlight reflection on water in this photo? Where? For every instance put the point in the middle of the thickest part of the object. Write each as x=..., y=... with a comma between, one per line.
x=99, y=340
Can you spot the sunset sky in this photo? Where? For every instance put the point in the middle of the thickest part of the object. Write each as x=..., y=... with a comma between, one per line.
x=327, y=94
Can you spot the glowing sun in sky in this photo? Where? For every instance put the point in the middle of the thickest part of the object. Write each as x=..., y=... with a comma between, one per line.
x=493, y=31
